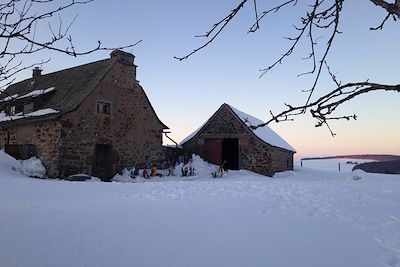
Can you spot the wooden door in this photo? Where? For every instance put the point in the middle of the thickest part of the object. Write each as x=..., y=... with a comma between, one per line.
x=213, y=150
x=103, y=162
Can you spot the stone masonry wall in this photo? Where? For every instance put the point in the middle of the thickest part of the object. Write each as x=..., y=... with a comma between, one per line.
x=44, y=136
x=254, y=154
x=132, y=129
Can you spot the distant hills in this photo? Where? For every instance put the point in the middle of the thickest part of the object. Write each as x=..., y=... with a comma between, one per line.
x=376, y=157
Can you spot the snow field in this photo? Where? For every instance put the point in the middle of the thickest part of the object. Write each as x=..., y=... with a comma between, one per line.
x=307, y=217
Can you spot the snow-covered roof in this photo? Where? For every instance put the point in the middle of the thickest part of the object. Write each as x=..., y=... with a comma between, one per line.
x=34, y=93
x=37, y=92
x=265, y=133
x=8, y=98
x=37, y=113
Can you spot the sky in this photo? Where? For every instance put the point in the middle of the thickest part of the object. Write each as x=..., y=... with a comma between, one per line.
x=186, y=93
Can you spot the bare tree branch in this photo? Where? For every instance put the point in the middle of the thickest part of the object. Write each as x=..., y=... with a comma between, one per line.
x=380, y=27
x=391, y=8
x=216, y=29
x=19, y=20
x=255, y=26
x=322, y=16
x=323, y=108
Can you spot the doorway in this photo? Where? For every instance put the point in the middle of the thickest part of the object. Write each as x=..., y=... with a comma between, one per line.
x=103, y=162
x=230, y=153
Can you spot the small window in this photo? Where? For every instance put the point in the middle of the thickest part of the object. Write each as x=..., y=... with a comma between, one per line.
x=103, y=107
x=12, y=110
x=15, y=109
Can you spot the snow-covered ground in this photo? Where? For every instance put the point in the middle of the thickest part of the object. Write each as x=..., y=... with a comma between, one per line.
x=309, y=217
x=333, y=164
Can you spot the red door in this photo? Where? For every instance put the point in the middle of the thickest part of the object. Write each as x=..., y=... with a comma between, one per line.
x=213, y=150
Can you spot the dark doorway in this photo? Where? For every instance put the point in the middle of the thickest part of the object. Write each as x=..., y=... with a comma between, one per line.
x=213, y=150
x=103, y=162
x=230, y=153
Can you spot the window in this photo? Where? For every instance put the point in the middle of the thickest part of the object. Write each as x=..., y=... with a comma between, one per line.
x=15, y=109
x=103, y=107
x=12, y=110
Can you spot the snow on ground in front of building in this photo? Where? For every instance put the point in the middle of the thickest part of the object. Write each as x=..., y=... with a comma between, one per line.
x=308, y=217
x=10, y=167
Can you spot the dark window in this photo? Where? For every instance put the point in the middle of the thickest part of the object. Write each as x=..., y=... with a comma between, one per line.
x=103, y=107
x=15, y=109
x=12, y=110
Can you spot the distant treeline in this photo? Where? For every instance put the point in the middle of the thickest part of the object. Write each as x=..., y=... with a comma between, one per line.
x=367, y=156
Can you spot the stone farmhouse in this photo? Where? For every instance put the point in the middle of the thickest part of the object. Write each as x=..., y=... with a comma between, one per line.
x=228, y=137
x=93, y=119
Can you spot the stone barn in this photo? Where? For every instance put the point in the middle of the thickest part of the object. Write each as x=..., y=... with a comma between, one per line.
x=93, y=119
x=228, y=137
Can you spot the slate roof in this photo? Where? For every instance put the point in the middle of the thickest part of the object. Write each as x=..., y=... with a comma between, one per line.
x=72, y=85
x=265, y=134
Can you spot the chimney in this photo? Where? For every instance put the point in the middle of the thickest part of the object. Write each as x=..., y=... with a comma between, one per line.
x=122, y=57
x=36, y=72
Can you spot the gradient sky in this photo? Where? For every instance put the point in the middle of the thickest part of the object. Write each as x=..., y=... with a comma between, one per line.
x=185, y=94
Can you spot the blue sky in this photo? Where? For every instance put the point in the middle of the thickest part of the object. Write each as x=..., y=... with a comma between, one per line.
x=185, y=94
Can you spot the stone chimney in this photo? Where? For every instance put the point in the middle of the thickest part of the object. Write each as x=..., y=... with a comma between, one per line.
x=122, y=57
x=36, y=72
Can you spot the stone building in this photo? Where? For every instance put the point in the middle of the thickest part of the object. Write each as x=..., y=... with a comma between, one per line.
x=228, y=137
x=93, y=119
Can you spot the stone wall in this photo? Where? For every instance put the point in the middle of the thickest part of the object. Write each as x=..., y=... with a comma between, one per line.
x=223, y=124
x=44, y=136
x=254, y=154
x=132, y=129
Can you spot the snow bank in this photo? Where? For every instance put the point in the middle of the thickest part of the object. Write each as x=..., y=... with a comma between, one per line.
x=125, y=177
x=201, y=167
x=9, y=165
x=33, y=167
